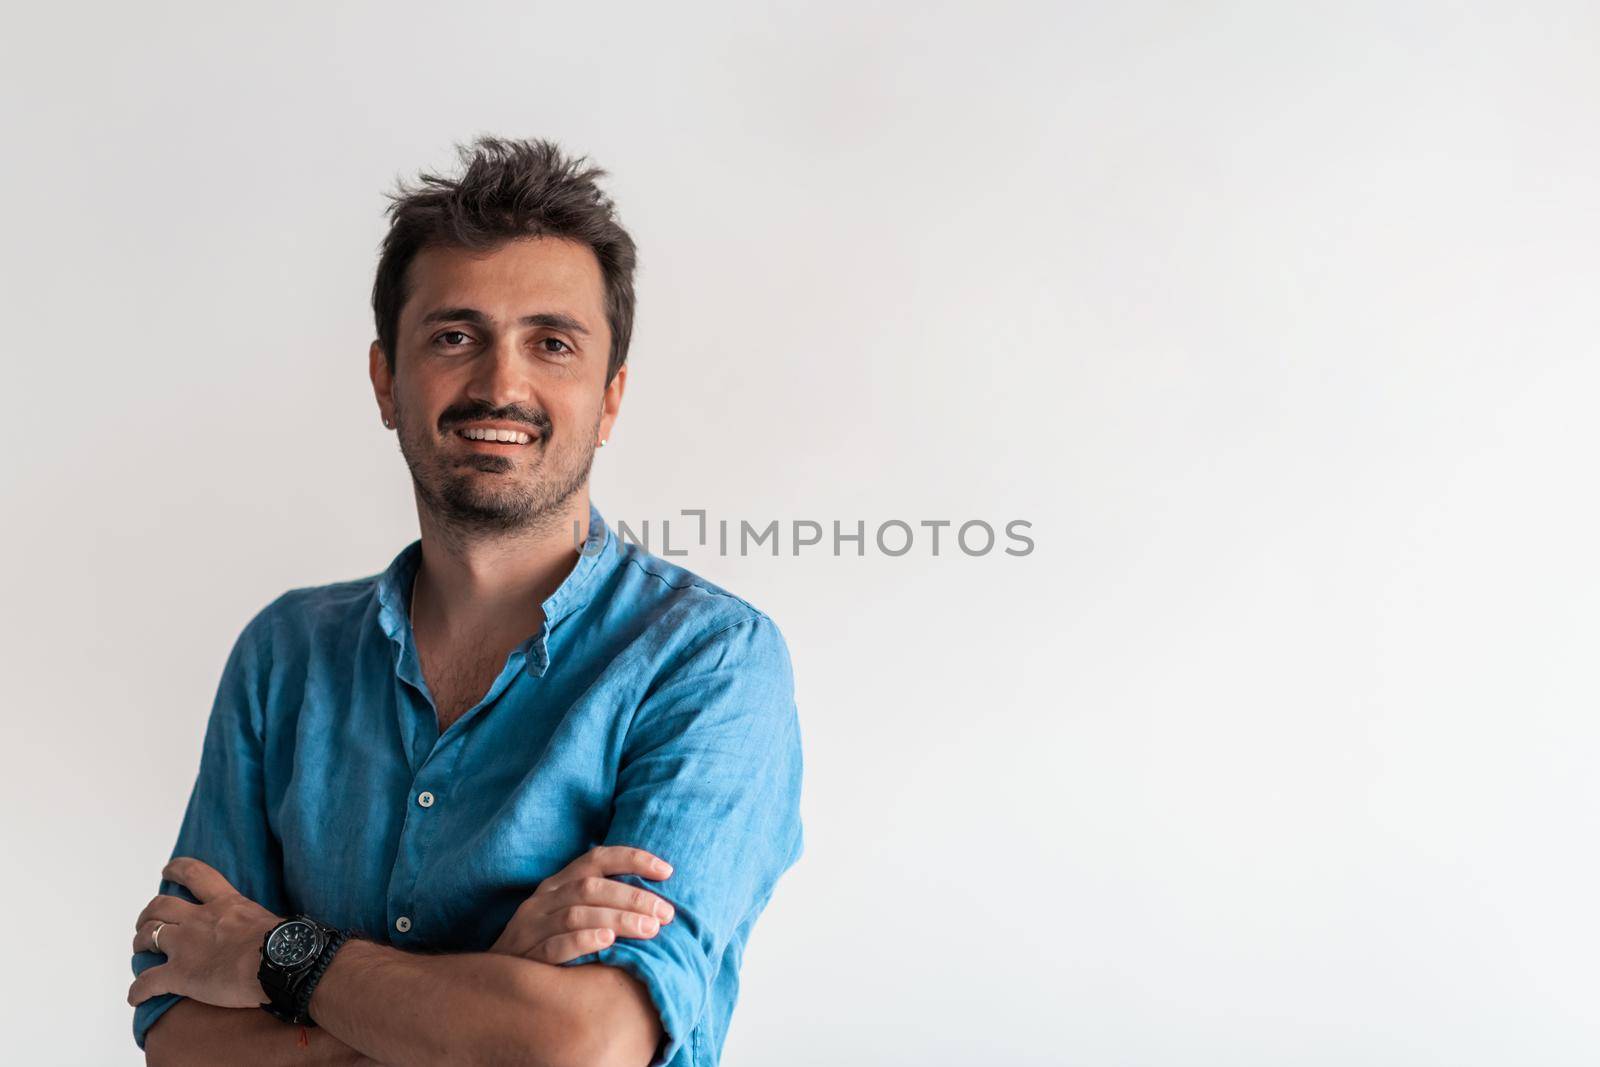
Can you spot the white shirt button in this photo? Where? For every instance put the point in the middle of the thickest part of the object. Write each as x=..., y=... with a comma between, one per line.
x=425, y=799
x=403, y=923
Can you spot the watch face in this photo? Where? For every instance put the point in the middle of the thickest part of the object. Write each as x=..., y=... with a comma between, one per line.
x=291, y=944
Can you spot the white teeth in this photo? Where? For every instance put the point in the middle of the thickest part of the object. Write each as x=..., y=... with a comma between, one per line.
x=506, y=436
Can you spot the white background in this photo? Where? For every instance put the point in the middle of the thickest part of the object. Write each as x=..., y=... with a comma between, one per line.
x=1277, y=322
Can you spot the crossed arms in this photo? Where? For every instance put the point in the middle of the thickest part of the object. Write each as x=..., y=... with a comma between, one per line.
x=377, y=1004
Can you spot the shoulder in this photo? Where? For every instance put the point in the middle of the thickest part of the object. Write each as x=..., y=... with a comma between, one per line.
x=662, y=588
x=685, y=615
x=308, y=612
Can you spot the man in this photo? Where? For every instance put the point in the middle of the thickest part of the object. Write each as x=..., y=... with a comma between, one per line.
x=521, y=797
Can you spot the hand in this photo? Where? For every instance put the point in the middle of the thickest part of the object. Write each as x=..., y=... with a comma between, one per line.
x=213, y=948
x=579, y=910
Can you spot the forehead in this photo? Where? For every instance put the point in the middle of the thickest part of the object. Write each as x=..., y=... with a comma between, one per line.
x=521, y=276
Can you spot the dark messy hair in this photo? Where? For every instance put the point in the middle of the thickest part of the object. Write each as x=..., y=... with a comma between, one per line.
x=508, y=189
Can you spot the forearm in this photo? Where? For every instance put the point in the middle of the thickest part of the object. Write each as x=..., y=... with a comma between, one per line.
x=403, y=1008
x=203, y=1035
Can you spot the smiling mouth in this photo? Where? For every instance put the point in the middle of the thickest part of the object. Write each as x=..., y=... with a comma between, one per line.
x=497, y=440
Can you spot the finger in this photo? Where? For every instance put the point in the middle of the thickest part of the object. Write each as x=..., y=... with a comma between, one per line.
x=529, y=928
x=570, y=946
x=145, y=940
x=152, y=982
x=603, y=892
x=622, y=923
x=166, y=906
x=620, y=859
x=198, y=877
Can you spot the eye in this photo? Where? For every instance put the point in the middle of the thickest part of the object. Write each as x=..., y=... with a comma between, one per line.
x=452, y=333
x=563, y=350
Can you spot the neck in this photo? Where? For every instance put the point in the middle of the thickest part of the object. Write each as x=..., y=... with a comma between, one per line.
x=483, y=585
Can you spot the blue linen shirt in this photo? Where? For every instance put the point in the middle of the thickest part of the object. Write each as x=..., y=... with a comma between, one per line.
x=652, y=708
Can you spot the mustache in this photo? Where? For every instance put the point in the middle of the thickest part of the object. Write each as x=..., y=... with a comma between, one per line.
x=456, y=417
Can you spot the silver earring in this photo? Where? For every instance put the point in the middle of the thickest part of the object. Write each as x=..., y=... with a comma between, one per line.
x=602, y=442
x=387, y=423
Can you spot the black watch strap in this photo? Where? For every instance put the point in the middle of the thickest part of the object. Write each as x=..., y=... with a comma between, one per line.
x=309, y=983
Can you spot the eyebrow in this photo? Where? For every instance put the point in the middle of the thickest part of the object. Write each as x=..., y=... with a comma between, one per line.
x=554, y=320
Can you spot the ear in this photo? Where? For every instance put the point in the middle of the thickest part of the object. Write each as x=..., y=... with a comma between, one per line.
x=382, y=381
x=611, y=401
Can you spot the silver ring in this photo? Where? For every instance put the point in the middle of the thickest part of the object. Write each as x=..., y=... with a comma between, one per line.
x=156, y=937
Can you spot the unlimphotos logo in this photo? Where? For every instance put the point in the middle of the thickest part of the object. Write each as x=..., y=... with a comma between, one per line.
x=892, y=537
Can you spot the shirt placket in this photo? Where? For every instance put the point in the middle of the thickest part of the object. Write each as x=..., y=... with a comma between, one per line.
x=434, y=764
x=426, y=800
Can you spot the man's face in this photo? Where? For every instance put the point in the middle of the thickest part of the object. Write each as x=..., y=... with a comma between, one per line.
x=513, y=339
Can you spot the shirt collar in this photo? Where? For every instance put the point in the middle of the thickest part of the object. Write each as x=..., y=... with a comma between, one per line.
x=597, y=556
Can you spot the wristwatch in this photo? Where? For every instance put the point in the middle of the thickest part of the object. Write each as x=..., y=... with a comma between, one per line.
x=294, y=955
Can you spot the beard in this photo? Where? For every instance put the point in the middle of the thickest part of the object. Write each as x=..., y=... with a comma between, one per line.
x=484, y=494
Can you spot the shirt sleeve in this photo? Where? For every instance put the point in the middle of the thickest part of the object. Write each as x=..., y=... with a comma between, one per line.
x=709, y=780
x=226, y=821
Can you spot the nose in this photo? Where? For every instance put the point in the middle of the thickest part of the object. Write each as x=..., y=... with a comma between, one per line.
x=499, y=377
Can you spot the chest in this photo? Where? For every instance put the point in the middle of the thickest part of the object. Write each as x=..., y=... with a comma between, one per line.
x=514, y=794
x=458, y=676
x=518, y=793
